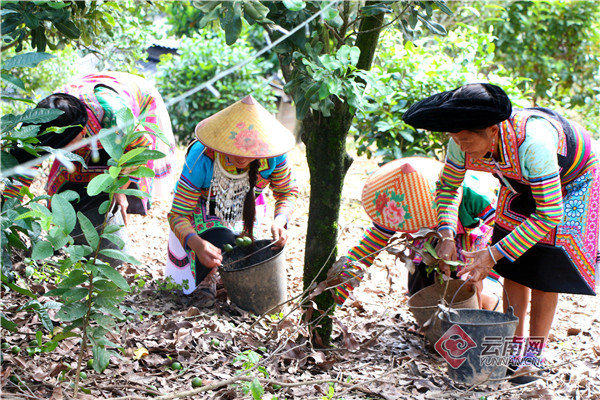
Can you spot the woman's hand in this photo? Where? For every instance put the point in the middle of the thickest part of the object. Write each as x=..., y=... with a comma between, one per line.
x=279, y=231
x=479, y=266
x=446, y=250
x=121, y=200
x=208, y=254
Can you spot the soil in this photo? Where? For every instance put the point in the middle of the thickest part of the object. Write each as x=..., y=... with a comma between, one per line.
x=376, y=352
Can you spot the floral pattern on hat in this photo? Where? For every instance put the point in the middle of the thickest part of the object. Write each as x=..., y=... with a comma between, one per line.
x=388, y=206
x=247, y=139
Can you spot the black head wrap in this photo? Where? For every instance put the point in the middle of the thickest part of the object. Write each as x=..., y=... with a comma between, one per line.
x=75, y=113
x=473, y=106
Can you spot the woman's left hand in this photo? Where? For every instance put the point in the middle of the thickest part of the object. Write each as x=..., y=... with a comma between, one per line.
x=479, y=266
x=279, y=231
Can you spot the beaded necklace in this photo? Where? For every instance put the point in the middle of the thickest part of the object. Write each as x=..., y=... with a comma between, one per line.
x=229, y=191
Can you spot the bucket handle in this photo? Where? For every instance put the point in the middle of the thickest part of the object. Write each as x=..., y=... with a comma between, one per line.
x=509, y=311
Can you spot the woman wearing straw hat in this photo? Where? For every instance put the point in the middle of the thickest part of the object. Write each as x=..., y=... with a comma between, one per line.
x=239, y=152
x=546, y=228
x=399, y=197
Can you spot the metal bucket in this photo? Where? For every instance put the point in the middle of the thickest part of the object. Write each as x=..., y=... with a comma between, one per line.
x=475, y=344
x=424, y=304
x=260, y=284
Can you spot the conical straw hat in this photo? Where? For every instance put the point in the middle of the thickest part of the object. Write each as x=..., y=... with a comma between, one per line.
x=400, y=195
x=245, y=129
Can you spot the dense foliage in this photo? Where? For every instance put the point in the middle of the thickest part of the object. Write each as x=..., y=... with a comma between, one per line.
x=555, y=45
x=199, y=59
x=411, y=71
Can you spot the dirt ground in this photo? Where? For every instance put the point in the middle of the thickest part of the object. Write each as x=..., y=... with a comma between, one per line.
x=376, y=353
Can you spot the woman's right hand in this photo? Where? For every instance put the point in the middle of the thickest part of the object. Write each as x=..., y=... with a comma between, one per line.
x=446, y=250
x=208, y=254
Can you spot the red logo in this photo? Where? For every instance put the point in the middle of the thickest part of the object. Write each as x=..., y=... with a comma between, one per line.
x=453, y=345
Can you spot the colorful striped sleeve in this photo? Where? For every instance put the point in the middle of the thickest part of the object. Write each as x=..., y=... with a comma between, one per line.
x=180, y=217
x=284, y=187
x=446, y=195
x=365, y=252
x=14, y=190
x=540, y=167
x=549, y=213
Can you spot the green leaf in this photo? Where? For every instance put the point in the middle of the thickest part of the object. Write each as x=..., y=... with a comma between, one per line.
x=126, y=121
x=76, y=277
x=72, y=312
x=116, y=239
x=99, y=183
x=257, y=389
x=75, y=294
x=144, y=157
x=91, y=235
x=429, y=247
x=101, y=358
x=131, y=154
x=18, y=289
x=42, y=250
x=142, y=172
x=111, y=143
x=13, y=81
x=26, y=60
x=39, y=115
x=294, y=5
x=63, y=214
x=114, y=171
x=67, y=28
x=114, y=275
x=7, y=324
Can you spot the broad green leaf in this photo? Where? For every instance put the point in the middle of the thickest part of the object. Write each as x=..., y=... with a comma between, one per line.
x=99, y=183
x=429, y=247
x=114, y=275
x=144, y=157
x=72, y=312
x=101, y=358
x=13, y=81
x=131, y=154
x=116, y=239
x=91, y=235
x=257, y=389
x=42, y=250
x=68, y=28
x=63, y=214
x=26, y=60
x=75, y=294
x=18, y=289
x=39, y=115
x=294, y=5
x=111, y=143
x=76, y=277
x=142, y=172
x=126, y=121
x=7, y=324
x=114, y=171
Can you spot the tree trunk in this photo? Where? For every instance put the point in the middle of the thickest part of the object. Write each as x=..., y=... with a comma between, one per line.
x=328, y=163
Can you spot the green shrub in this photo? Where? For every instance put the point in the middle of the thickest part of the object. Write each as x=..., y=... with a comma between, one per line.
x=414, y=70
x=201, y=58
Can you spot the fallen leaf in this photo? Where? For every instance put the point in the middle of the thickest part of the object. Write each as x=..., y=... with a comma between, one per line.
x=140, y=352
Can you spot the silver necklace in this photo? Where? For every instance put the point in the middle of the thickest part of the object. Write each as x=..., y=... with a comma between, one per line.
x=229, y=191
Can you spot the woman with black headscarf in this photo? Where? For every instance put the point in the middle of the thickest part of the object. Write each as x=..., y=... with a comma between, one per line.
x=546, y=228
x=90, y=104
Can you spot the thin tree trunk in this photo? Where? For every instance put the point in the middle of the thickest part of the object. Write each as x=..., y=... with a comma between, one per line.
x=328, y=163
